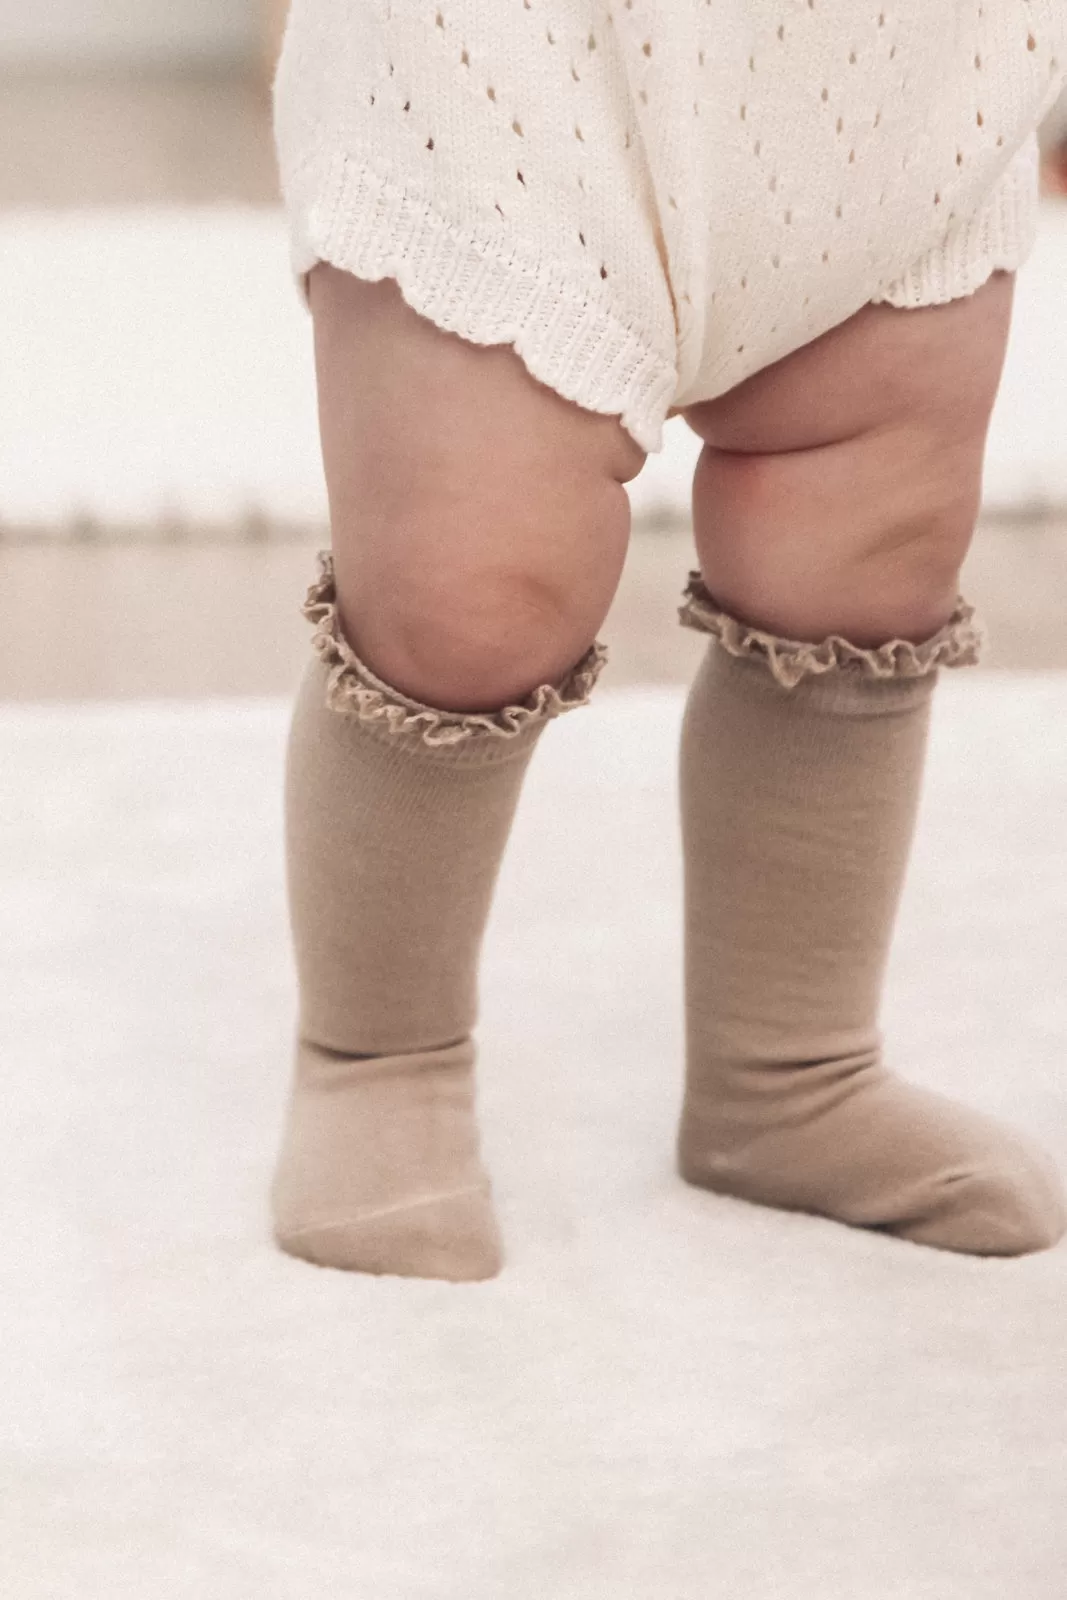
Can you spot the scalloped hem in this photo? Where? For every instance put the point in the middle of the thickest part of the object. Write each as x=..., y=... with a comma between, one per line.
x=474, y=281
x=957, y=644
x=998, y=238
x=353, y=689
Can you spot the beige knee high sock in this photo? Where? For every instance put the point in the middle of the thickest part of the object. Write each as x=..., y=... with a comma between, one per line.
x=397, y=818
x=800, y=774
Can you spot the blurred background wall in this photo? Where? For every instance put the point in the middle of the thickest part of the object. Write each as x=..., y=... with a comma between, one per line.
x=129, y=33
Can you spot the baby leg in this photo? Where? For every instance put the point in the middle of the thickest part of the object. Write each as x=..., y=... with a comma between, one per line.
x=834, y=504
x=479, y=527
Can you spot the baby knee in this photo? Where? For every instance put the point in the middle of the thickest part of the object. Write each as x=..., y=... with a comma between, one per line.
x=475, y=644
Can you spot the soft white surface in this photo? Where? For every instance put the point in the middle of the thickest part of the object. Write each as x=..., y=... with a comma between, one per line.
x=665, y=1396
x=156, y=364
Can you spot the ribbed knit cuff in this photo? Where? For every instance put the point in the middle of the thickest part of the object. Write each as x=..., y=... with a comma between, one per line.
x=471, y=279
x=999, y=237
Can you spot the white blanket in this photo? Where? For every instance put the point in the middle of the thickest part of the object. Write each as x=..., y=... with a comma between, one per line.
x=666, y=1395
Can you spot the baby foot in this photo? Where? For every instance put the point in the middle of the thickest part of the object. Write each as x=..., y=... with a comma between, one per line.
x=869, y=1149
x=380, y=1169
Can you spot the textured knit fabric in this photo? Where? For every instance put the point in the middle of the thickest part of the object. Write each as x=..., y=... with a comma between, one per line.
x=800, y=778
x=653, y=199
x=397, y=816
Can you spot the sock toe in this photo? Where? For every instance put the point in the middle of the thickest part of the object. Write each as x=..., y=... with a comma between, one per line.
x=380, y=1169
x=452, y=1237
x=997, y=1211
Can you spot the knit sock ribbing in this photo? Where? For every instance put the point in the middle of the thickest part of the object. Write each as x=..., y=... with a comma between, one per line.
x=397, y=818
x=800, y=777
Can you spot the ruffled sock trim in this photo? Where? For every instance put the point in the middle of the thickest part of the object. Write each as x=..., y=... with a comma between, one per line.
x=958, y=643
x=353, y=689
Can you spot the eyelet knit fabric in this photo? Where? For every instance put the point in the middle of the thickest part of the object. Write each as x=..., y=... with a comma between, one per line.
x=653, y=199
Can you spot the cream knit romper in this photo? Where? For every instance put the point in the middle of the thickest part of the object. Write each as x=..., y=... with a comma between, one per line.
x=653, y=199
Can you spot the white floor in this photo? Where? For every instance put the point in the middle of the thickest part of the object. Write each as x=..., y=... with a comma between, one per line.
x=665, y=1396
x=155, y=366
